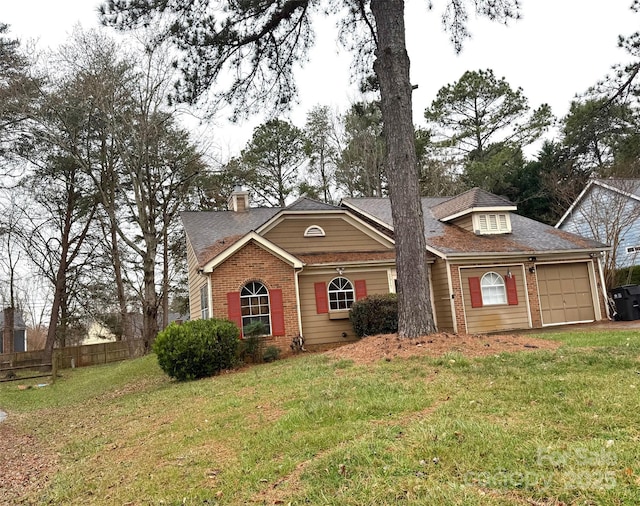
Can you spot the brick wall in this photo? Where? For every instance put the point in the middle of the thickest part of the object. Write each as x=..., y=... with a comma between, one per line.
x=534, y=299
x=252, y=263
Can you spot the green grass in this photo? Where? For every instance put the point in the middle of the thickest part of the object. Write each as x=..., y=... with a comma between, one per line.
x=526, y=428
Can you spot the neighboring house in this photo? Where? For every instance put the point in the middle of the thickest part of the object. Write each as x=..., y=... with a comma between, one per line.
x=299, y=268
x=98, y=333
x=608, y=211
x=19, y=332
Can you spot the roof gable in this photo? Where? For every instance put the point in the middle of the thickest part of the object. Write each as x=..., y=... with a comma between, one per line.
x=241, y=243
x=629, y=188
x=473, y=200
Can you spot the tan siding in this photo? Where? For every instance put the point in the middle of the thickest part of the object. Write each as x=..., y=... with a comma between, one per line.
x=465, y=222
x=196, y=281
x=441, y=296
x=319, y=329
x=340, y=235
x=495, y=317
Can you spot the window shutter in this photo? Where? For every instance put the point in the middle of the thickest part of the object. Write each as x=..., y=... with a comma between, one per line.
x=322, y=304
x=277, y=312
x=234, y=311
x=476, y=292
x=361, y=289
x=512, y=290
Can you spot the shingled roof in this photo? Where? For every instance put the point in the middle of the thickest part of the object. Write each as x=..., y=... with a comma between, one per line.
x=476, y=198
x=211, y=232
x=528, y=236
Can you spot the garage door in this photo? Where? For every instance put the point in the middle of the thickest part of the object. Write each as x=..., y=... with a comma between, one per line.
x=565, y=293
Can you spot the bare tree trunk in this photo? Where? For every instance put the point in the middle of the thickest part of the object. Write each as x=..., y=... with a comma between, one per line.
x=150, y=301
x=415, y=315
x=127, y=331
x=165, y=271
x=55, y=310
x=8, y=329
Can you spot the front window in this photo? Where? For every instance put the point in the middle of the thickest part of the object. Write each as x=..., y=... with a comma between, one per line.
x=254, y=302
x=493, y=289
x=341, y=294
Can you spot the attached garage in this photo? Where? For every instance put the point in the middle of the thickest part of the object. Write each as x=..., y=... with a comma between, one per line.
x=566, y=293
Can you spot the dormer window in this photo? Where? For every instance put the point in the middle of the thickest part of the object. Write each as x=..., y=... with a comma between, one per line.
x=314, y=231
x=490, y=223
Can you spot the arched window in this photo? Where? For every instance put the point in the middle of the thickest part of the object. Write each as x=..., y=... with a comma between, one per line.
x=254, y=304
x=341, y=294
x=493, y=289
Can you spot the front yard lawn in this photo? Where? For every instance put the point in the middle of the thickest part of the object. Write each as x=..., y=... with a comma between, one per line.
x=541, y=427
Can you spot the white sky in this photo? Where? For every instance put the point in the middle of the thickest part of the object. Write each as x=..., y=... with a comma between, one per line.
x=558, y=49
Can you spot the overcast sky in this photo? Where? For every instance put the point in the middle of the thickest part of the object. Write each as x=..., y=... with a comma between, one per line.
x=558, y=48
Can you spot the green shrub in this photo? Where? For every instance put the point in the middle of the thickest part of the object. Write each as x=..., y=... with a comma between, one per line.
x=197, y=349
x=627, y=276
x=271, y=353
x=375, y=314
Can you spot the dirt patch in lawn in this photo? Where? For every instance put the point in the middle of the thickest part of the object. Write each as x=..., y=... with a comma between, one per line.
x=390, y=346
x=25, y=465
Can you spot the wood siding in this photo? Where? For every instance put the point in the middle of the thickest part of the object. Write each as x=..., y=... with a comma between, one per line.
x=196, y=282
x=340, y=235
x=489, y=318
x=441, y=296
x=465, y=222
x=320, y=329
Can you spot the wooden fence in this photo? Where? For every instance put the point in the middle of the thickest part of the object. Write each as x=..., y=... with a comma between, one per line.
x=68, y=357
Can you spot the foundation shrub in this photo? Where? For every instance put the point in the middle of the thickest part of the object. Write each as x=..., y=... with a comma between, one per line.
x=375, y=314
x=197, y=349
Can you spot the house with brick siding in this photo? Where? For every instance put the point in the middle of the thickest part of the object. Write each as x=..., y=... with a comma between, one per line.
x=299, y=268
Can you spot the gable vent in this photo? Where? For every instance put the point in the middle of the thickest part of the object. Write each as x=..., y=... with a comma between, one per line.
x=314, y=231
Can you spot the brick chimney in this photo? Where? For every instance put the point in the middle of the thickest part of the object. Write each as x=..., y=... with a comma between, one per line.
x=239, y=200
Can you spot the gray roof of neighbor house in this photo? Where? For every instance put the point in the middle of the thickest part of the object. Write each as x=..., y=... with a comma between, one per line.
x=18, y=320
x=211, y=232
x=527, y=236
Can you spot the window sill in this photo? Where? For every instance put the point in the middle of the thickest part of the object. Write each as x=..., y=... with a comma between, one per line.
x=339, y=315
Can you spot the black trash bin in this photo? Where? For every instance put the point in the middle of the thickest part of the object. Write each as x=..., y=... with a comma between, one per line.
x=627, y=299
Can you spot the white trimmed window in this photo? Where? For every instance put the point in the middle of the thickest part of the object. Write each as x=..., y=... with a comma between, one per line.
x=204, y=302
x=492, y=223
x=493, y=289
x=341, y=294
x=254, y=304
x=633, y=250
x=314, y=231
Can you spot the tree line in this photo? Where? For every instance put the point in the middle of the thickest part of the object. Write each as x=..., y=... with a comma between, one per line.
x=96, y=164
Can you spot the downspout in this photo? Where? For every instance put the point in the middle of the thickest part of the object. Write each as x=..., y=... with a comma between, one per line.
x=297, y=286
x=604, y=289
x=452, y=302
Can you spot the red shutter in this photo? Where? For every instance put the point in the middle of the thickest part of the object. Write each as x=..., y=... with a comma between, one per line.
x=322, y=304
x=277, y=312
x=361, y=289
x=512, y=290
x=234, y=310
x=476, y=292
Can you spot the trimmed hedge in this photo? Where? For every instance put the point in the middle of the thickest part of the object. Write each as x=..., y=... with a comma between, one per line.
x=197, y=349
x=375, y=314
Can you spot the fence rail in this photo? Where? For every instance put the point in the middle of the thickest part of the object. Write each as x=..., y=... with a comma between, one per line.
x=68, y=357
